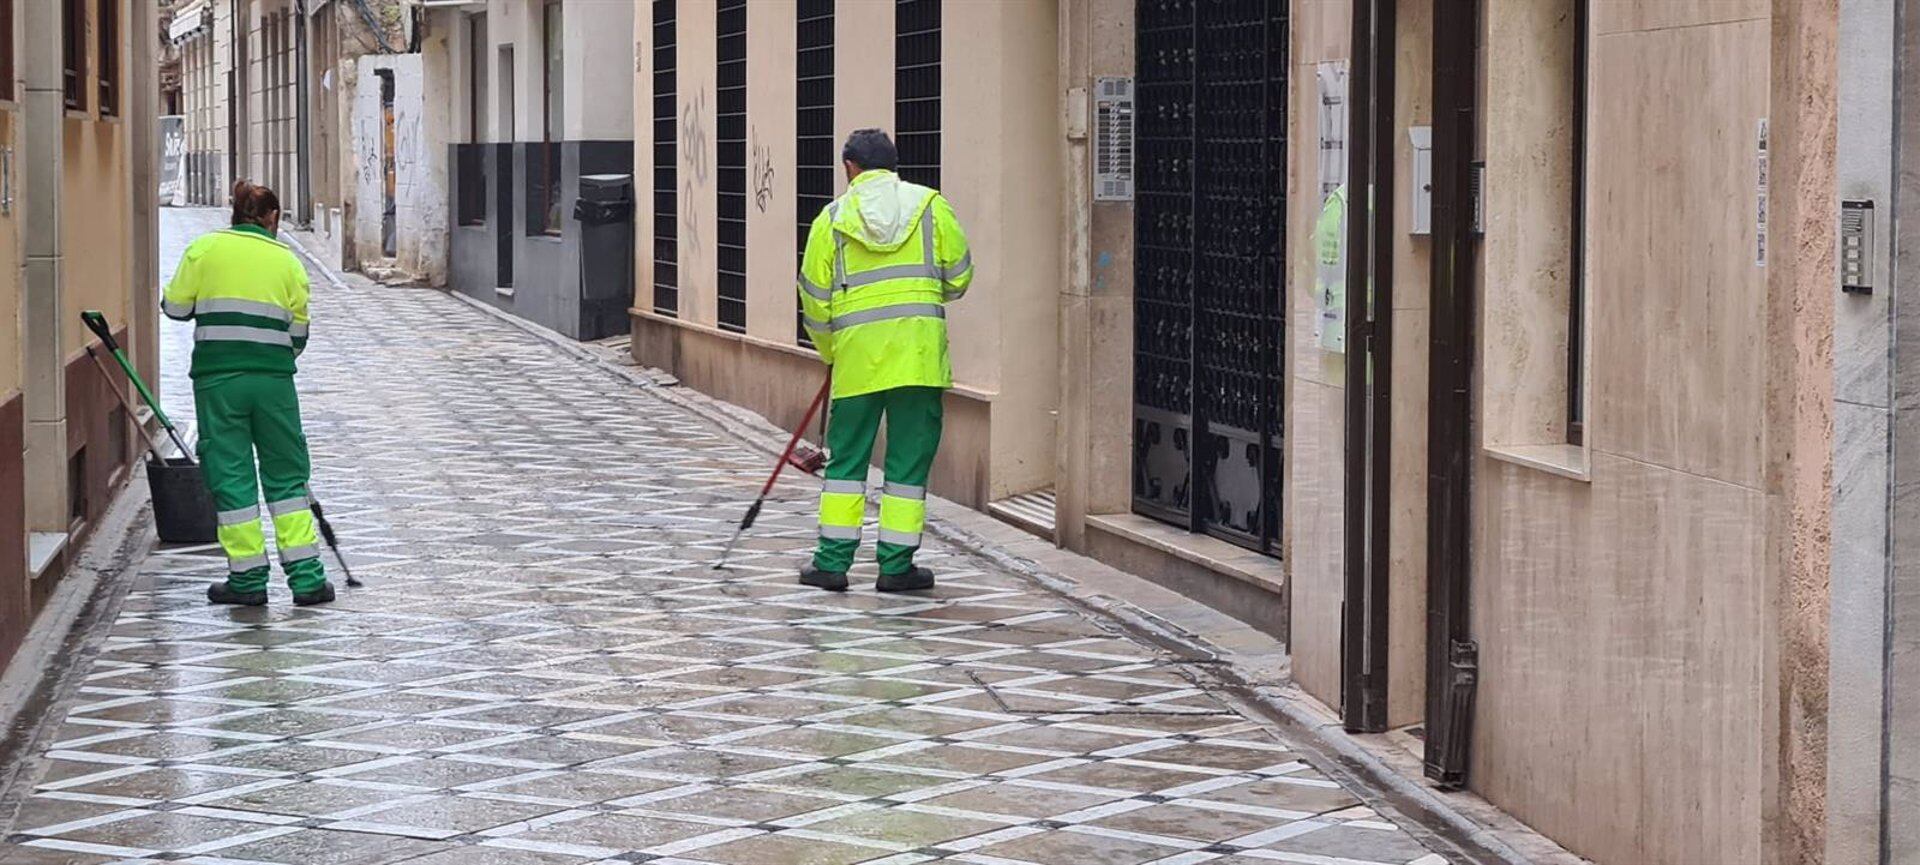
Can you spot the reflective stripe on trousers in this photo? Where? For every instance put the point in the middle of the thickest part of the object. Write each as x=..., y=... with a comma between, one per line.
x=903, y=514
x=843, y=504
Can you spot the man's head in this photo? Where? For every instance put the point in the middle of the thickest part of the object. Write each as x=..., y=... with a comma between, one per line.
x=868, y=150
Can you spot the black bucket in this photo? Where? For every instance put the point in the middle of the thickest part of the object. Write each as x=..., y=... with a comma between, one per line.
x=183, y=510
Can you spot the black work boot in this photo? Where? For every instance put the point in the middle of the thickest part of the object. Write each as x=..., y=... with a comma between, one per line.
x=223, y=593
x=321, y=595
x=917, y=580
x=832, y=581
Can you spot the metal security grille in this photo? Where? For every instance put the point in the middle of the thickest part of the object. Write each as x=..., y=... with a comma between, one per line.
x=813, y=124
x=916, y=89
x=1209, y=211
x=730, y=139
x=666, y=199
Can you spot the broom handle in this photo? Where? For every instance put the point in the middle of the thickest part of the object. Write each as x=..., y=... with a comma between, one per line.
x=97, y=322
x=153, y=444
x=812, y=407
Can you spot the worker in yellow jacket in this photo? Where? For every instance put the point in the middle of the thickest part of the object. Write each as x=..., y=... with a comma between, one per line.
x=246, y=294
x=881, y=264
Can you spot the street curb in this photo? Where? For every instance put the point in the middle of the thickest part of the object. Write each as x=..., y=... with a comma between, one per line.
x=46, y=672
x=1436, y=821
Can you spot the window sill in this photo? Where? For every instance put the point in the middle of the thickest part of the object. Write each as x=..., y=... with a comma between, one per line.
x=1567, y=461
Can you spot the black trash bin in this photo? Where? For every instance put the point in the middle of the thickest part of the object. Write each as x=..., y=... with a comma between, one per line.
x=183, y=509
x=605, y=212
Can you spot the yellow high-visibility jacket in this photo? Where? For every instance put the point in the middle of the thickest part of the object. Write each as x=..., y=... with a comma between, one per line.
x=247, y=295
x=882, y=262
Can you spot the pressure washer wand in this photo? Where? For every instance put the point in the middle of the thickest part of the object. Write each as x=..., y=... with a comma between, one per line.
x=753, y=510
x=333, y=540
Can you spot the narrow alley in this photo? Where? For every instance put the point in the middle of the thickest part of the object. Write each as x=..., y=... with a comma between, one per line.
x=543, y=667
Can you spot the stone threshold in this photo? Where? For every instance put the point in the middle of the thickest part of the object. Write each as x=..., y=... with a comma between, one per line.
x=1264, y=572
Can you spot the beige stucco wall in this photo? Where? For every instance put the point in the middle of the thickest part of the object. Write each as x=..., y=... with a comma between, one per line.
x=1620, y=619
x=95, y=219
x=1000, y=173
x=997, y=171
x=771, y=208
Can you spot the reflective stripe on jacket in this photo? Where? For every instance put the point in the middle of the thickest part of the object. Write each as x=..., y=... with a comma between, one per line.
x=246, y=294
x=881, y=264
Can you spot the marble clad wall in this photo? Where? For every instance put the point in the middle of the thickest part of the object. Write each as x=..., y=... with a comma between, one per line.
x=1620, y=616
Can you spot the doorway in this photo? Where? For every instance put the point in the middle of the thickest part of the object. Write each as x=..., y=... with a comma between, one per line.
x=503, y=173
x=1209, y=221
x=389, y=175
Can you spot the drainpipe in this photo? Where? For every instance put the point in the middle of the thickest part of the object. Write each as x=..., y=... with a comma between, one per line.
x=303, y=110
x=234, y=99
x=41, y=135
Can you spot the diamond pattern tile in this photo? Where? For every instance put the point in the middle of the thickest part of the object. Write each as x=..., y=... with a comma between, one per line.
x=544, y=670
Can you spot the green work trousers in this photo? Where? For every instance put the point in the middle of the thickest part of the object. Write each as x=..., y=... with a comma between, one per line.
x=913, y=416
x=242, y=414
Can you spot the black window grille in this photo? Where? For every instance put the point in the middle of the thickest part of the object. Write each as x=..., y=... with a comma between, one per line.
x=730, y=140
x=73, y=54
x=916, y=89
x=814, y=147
x=666, y=198
x=108, y=29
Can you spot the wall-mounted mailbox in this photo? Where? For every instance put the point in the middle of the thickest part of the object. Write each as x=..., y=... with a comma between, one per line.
x=1856, y=246
x=1421, y=205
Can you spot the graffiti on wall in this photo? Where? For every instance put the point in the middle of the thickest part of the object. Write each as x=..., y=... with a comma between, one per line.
x=694, y=139
x=762, y=172
x=694, y=136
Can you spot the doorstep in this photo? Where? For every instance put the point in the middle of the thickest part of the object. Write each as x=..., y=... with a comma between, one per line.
x=1241, y=583
x=1031, y=512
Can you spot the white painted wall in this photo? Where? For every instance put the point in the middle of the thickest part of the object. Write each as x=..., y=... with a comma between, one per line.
x=598, y=56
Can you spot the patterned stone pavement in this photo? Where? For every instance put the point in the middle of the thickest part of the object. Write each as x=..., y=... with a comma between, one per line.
x=543, y=669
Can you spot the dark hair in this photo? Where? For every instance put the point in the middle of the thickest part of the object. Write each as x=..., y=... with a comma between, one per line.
x=870, y=148
x=252, y=204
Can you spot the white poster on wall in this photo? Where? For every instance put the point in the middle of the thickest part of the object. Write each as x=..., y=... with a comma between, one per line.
x=1330, y=227
x=173, y=161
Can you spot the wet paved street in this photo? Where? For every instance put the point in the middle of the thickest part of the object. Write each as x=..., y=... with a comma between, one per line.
x=543, y=669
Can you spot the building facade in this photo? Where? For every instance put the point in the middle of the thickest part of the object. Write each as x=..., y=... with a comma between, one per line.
x=201, y=31
x=77, y=232
x=243, y=89
x=1496, y=357
x=537, y=97
x=1557, y=387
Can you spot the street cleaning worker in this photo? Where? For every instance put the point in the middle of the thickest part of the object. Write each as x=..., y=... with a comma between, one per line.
x=882, y=262
x=246, y=294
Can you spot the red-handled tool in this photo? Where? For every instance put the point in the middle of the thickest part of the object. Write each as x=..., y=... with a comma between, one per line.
x=809, y=461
